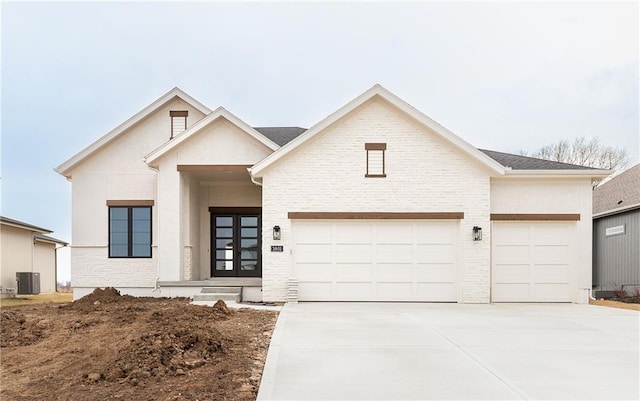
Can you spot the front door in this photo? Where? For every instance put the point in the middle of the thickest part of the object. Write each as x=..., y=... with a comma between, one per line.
x=235, y=241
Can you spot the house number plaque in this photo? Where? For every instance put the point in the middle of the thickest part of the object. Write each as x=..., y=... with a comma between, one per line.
x=277, y=248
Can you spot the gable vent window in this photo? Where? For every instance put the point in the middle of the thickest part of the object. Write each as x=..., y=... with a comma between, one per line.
x=178, y=122
x=375, y=159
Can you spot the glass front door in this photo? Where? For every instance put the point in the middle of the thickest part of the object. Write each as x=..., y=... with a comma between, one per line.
x=236, y=244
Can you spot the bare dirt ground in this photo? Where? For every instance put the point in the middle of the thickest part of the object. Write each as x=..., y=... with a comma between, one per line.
x=631, y=303
x=106, y=346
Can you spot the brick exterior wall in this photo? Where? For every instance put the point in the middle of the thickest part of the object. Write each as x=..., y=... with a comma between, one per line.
x=424, y=174
x=91, y=267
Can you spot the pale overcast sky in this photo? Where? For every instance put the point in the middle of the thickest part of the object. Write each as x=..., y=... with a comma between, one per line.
x=505, y=76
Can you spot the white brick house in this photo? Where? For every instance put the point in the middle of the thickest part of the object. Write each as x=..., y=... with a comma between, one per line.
x=377, y=202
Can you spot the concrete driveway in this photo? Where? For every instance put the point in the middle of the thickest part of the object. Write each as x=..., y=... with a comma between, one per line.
x=369, y=351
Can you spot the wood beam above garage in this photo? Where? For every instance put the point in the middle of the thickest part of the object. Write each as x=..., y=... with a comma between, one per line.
x=377, y=215
x=535, y=217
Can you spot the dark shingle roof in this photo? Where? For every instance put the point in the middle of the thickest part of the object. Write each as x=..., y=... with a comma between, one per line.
x=281, y=135
x=620, y=193
x=517, y=162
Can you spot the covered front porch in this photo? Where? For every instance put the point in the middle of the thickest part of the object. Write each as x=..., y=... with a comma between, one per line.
x=218, y=233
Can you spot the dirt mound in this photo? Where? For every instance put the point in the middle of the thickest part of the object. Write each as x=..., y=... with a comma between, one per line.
x=169, y=352
x=108, y=295
x=17, y=329
x=110, y=346
x=220, y=307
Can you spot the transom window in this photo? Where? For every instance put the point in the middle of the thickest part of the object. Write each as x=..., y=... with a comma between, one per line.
x=375, y=159
x=129, y=231
x=178, y=122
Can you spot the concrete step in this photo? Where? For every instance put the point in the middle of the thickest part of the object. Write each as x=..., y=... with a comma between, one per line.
x=213, y=297
x=220, y=290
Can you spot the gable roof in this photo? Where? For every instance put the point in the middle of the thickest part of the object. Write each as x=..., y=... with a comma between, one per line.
x=65, y=168
x=281, y=135
x=378, y=91
x=518, y=162
x=619, y=194
x=218, y=113
x=23, y=225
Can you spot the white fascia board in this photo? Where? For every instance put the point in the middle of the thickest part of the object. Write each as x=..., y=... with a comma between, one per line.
x=559, y=173
x=218, y=113
x=63, y=169
x=378, y=90
x=616, y=211
x=444, y=132
x=26, y=227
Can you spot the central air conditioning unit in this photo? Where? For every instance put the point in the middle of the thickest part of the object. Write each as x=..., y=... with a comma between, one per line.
x=28, y=283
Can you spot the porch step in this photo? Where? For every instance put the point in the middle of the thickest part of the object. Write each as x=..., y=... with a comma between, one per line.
x=220, y=290
x=213, y=294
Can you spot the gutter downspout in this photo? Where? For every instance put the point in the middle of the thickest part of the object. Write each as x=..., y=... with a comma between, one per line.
x=56, y=264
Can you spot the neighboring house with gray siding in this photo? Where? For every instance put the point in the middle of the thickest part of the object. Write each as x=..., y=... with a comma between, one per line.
x=616, y=234
x=25, y=248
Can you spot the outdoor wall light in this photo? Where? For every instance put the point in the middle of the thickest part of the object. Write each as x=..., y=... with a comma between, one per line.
x=276, y=233
x=477, y=233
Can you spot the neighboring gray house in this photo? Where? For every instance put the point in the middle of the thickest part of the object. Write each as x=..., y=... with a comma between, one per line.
x=616, y=234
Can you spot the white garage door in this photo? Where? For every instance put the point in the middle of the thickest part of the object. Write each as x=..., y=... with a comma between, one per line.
x=533, y=261
x=376, y=260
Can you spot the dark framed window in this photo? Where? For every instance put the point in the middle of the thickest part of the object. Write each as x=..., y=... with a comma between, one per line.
x=375, y=159
x=130, y=231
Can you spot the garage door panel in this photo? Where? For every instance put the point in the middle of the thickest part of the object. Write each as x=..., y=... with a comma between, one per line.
x=551, y=234
x=314, y=253
x=354, y=233
x=394, y=271
x=511, y=235
x=394, y=233
x=315, y=291
x=435, y=253
x=401, y=291
x=436, y=233
x=436, y=272
x=512, y=273
x=511, y=292
x=314, y=271
x=551, y=254
x=353, y=253
x=347, y=291
x=376, y=260
x=354, y=271
x=551, y=292
x=394, y=252
x=313, y=233
x=436, y=292
x=541, y=269
x=513, y=254
x=550, y=273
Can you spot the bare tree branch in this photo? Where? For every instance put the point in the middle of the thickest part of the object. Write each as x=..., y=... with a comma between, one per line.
x=583, y=152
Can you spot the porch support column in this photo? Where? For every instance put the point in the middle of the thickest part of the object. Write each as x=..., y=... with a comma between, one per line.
x=170, y=254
